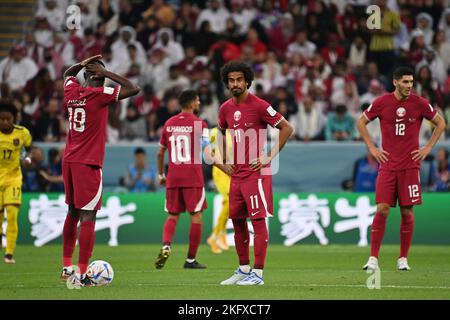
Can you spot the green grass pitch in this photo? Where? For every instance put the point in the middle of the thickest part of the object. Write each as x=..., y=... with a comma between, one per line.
x=298, y=272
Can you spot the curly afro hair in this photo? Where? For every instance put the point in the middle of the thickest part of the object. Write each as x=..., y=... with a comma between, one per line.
x=236, y=66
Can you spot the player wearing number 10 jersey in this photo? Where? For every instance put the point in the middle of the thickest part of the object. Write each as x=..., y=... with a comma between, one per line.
x=185, y=136
x=87, y=109
x=401, y=114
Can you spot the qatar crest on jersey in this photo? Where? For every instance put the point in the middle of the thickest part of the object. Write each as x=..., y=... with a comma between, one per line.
x=401, y=112
x=237, y=116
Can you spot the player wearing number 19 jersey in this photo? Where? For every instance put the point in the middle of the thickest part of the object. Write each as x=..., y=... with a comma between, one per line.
x=87, y=109
x=400, y=114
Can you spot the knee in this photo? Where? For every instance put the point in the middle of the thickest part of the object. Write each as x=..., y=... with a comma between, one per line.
x=406, y=211
x=88, y=215
x=383, y=209
x=196, y=217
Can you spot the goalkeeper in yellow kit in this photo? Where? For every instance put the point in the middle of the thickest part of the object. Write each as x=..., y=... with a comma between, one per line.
x=12, y=139
x=218, y=240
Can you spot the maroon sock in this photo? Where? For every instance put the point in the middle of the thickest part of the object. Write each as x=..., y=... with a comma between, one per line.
x=69, y=238
x=242, y=240
x=195, y=236
x=261, y=240
x=406, y=232
x=378, y=228
x=86, y=242
x=168, y=231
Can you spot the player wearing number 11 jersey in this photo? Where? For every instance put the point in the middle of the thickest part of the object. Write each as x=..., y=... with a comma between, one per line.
x=87, y=109
x=401, y=114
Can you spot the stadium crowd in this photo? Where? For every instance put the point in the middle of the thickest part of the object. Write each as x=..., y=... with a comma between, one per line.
x=315, y=61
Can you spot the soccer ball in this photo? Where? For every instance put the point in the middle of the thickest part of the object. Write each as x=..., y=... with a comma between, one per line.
x=100, y=272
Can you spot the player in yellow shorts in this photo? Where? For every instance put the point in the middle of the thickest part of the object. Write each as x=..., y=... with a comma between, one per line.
x=218, y=240
x=12, y=139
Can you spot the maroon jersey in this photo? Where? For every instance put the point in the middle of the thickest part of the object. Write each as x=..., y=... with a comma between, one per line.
x=182, y=135
x=247, y=123
x=87, y=108
x=400, y=124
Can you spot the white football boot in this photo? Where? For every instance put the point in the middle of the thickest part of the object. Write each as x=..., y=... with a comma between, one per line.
x=237, y=276
x=371, y=265
x=402, y=264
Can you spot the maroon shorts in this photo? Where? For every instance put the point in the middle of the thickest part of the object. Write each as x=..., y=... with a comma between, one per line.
x=251, y=199
x=403, y=185
x=83, y=185
x=183, y=199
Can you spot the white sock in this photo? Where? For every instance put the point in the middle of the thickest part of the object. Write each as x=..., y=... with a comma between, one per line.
x=245, y=268
x=166, y=247
x=259, y=272
x=190, y=260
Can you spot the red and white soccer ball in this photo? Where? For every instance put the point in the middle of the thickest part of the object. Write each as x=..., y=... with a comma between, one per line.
x=100, y=272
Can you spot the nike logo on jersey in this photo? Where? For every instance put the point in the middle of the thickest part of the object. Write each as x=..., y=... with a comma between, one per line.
x=235, y=125
x=254, y=213
x=398, y=120
x=415, y=200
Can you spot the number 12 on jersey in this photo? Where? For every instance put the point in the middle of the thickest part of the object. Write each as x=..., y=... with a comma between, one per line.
x=399, y=129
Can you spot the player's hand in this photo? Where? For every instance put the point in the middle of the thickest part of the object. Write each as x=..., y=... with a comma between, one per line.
x=162, y=179
x=379, y=154
x=85, y=62
x=96, y=71
x=27, y=162
x=257, y=164
x=419, y=155
x=229, y=168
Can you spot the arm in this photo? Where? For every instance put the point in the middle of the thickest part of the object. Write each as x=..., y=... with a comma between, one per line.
x=286, y=131
x=439, y=122
x=74, y=69
x=127, y=89
x=160, y=161
x=380, y=155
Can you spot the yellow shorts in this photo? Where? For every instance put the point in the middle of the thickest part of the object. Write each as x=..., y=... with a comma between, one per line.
x=11, y=194
x=222, y=181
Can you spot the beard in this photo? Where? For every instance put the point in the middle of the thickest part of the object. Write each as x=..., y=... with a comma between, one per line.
x=236, y=92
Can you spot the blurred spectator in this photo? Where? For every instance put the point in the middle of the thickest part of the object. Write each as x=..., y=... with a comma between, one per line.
x=133, y=127
x=373, y=127
x=193, y=64
x=209, y=105
x=105, y=11
x=440, y=172
x=113, y=127
x=53, y=173
x=43, y=32
x=164, y=13
x=53, y=13
x=50, y=127
x=424, y=22
x=156, y=71
x=224, y=49
x=23, y=118
x=309, y=122
x=347, y=94
x=282, y=95
x=347, y=22
x=444, y=23
x=140, y=177
x=216, y=14
x=416, y=46
x=147, y=102
x=340, y=125
x=92, y=45
x=147, y=34
x=375, y=90
x=64, y=49
x=358, y=52
x=119, y=49
x=257, y=48
x=204, y=38
x=271, y=68
x=33, y=181
x=282, y=35
x=242, y=15
x=33, y=49
x=176, y=82
x=365, y=172
x=129, y=15
x=165, y=42
x=425, y=83
x=156, y=120
x=301, y=45
x=442, y=48
x=17, y=69
x=435, y=64
x=382, y=40
x=333, y=51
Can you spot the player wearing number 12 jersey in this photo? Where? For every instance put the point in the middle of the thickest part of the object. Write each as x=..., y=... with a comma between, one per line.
x=401, y=113
x=87, y=109
x=186, y=137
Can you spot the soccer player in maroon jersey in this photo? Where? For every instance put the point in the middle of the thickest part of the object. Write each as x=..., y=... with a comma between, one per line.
x=247, y=117
x=185, y=136
x=401, y=113
x=87, y=107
